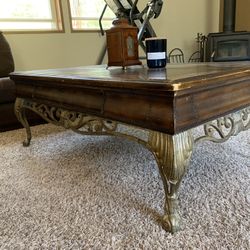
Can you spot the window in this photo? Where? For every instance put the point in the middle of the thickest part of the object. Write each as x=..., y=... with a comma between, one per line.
x=30, y=15
x=85, y=14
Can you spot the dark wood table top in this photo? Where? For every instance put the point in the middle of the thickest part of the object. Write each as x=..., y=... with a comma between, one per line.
x=170, y=100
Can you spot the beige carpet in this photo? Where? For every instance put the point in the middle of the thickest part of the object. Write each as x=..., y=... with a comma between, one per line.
x=68, y=191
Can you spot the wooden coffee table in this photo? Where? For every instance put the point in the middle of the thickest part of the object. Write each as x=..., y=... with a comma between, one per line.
x=163, y=105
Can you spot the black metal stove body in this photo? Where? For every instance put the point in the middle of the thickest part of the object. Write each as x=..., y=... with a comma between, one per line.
x=228, y=45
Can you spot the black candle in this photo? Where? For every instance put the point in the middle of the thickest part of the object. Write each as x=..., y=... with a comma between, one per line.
x=156, y=52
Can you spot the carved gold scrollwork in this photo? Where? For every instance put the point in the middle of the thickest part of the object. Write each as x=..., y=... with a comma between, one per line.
x=172, y=152
x=78, y=122
x=223, y=128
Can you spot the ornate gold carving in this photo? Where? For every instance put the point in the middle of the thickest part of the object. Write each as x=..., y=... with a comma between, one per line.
x=223, y=128
x=78, y=122
x=172, y=154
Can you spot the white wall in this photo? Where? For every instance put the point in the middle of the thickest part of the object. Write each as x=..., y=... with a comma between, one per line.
x=182, y=20
x=242, y=15
x=179, y=22
x=242, y=20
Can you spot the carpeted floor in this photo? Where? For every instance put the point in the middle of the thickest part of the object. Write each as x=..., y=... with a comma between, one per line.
x=68, y=191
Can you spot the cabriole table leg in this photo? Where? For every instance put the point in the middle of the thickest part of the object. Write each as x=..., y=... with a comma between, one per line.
x=21, y=116
x=172, y=154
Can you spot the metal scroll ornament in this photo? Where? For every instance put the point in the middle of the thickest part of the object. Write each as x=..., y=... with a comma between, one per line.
x=172, y=152
x=223, y=128
x=78, y=122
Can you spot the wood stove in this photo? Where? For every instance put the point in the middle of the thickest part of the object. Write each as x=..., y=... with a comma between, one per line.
x=228, y=45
